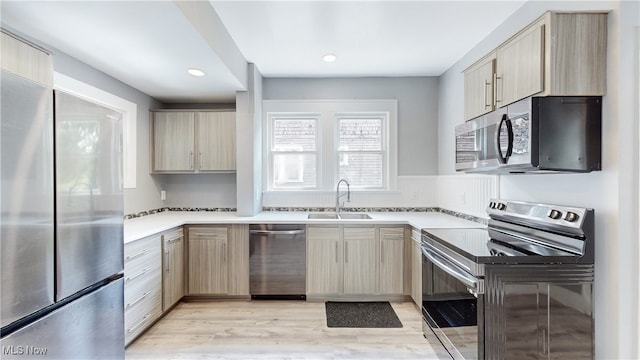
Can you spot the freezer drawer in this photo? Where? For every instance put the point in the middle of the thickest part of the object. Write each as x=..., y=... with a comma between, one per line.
x=91, y=327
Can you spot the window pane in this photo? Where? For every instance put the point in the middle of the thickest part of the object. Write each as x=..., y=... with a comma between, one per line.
x=294, y=134
x=294, y=170
x=360, y=134
x=361, y=170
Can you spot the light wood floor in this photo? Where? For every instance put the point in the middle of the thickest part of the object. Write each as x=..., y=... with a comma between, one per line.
x=275, y=330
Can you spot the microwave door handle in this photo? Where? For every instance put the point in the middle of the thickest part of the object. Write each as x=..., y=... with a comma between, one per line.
x=502, y=158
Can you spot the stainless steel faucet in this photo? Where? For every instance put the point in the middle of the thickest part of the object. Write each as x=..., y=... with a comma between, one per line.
x=338, y=195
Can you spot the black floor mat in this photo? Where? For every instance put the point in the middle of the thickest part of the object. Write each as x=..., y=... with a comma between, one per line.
x=361, y=315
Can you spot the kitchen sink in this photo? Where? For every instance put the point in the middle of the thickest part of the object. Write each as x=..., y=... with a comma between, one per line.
x=323, y=216
x=354, y=216
x=346, y=216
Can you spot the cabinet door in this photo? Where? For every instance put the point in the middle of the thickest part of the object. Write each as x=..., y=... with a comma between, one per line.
x=324, y=260
x=173, y=269
x=416, y=267
x=478, y=88
x=216, y=141
x=208, y=261
x=360, y=261
x=391, y=261
x=520, y=66
x=173, y=142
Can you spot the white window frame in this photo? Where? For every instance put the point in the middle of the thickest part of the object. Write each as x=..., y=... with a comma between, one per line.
x=327, y=170
x=129, y=112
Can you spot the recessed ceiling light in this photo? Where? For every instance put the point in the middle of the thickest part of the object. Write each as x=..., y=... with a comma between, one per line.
x=329, y=58
x=196, y=72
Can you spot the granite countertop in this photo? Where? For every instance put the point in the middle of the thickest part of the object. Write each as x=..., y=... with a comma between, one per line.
x=138, y=228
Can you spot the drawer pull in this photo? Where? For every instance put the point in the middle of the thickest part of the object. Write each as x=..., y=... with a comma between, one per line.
x=133, y=277
x=172, y=240
x=136, y=326
x=136, y=255
x=134, y=302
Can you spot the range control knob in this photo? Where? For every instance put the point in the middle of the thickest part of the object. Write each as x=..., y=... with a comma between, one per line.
x=501, y=206
x=571, y=217
x=492, y=205
x=555, y=214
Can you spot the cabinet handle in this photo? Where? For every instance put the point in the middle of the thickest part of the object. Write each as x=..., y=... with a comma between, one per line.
x=495, y=87
x=131, y=304
x=136, y=326
x=381, y=252
x=166, y=259
x=224, y=252
x=136, y=255
x=200, y=158
x=544, y=341
x=336, y=252
x=172, y=240
x=486, y=84
x=136, y=275
x=191, y=160
x=346, y=253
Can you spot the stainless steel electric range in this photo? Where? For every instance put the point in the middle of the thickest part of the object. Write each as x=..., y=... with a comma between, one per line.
x=521, y=288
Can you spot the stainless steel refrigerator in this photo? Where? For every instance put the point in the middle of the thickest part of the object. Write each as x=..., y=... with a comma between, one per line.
x=62, y=223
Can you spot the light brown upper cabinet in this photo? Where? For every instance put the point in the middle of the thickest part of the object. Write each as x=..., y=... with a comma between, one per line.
x=193, y=141
x=559, y=54
x=478, y=87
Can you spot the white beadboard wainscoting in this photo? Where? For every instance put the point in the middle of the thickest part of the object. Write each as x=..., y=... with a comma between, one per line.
x=467, y=194
x=412, y=191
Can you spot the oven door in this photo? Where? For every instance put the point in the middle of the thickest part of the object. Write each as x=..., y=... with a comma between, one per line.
x=452, y=314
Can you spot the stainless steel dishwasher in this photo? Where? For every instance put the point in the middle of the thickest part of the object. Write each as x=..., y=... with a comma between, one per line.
x=277, y=261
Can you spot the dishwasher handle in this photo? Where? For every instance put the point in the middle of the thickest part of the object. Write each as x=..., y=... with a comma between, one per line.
x=276, y=232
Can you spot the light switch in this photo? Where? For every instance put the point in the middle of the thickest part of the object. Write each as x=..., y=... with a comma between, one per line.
x=163, y=195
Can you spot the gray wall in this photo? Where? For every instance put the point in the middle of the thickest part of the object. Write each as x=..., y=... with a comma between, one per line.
x=200, y=190
x=612, y=192
x=417, y=110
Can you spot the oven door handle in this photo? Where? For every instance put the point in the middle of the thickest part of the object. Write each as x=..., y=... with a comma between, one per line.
x=474, y=285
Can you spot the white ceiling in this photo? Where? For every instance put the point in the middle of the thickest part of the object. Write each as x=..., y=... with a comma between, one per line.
x=150, y=44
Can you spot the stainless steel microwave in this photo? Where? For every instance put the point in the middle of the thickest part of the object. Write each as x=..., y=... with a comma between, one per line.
x=534, y=135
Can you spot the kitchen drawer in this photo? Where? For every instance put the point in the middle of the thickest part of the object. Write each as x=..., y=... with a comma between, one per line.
x=143, y=267
x=210, y=233
x=139, y=254
x=149, y=282
x=416, y=235
x=141, y=312
x=173, y=234
x=392, y=232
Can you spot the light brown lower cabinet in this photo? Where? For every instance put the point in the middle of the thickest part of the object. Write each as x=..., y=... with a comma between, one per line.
x=360, y=260
x=416, y=267
x=172, y=267
x=355, y=261
x=218, y=260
